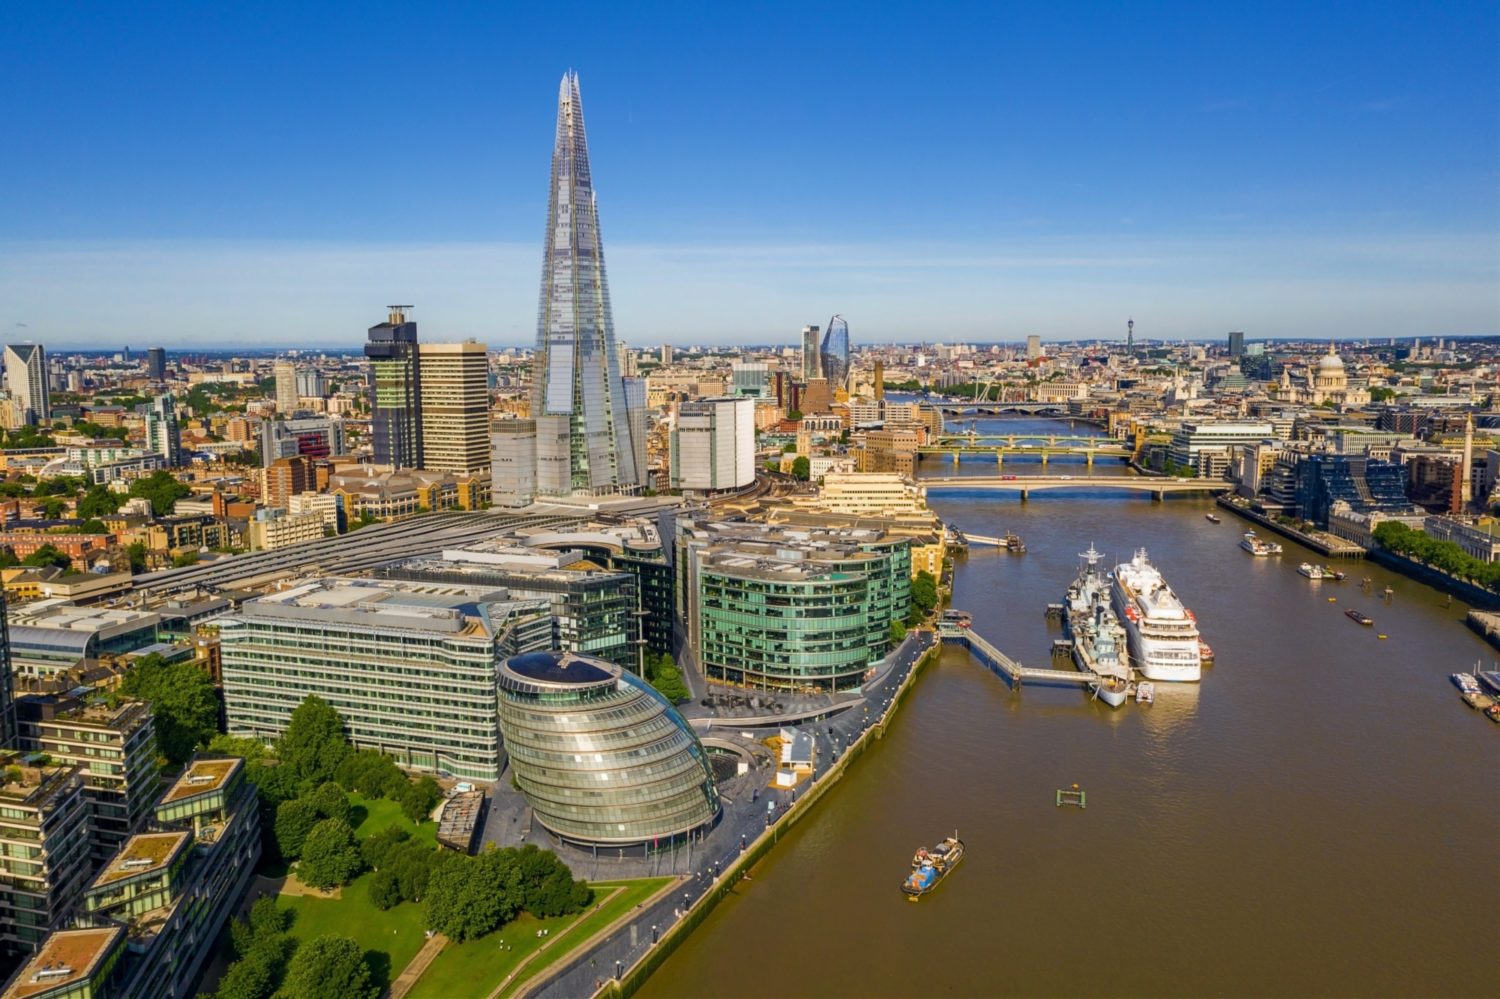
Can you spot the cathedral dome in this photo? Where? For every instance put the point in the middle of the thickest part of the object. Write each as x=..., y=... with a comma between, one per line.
x=1330, y=362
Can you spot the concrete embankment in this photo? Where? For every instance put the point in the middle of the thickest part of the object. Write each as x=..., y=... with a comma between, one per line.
x=634, y=976
x=1487, y=624
x=1322, y=542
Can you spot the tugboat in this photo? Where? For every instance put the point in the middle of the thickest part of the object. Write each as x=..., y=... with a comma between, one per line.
x=1014, y=544
x=930, y=867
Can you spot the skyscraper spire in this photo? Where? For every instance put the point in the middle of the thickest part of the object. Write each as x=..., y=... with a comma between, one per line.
x=578, y=399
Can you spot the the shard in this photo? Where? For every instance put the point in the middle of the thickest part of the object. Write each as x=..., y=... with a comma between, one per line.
x=578, y=399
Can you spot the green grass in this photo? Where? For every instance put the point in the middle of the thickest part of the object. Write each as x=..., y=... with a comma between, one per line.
x=478, y=967
x=390, y=938
x=370, y=815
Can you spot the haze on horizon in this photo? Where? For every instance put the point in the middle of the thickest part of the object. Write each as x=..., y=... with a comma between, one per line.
x=202, y=178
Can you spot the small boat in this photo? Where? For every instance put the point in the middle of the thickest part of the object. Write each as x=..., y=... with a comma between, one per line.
x=1357, y=617
x=1212, y=518
x=1475, y=699
x=930, y=867
x=1493, y=713
x=1329, y=572
x=1205, y=653
x=1145, y=692
x=1310, y=571
x=1014, y=544
x=1464, y=681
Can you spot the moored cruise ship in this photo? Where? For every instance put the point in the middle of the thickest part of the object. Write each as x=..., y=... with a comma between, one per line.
x=1163, y=633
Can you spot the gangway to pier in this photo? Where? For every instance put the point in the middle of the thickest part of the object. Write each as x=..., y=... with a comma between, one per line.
x=1004, y=666
x=984, y=539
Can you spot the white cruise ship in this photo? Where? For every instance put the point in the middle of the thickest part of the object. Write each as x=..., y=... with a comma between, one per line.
x=1163, y=634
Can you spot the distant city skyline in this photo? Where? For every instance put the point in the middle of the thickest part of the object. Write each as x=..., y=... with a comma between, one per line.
x=1202, y=170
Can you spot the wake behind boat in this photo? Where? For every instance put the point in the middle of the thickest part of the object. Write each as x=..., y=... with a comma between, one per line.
x=930, y=867
x=1163, y=634
x=1099, y=642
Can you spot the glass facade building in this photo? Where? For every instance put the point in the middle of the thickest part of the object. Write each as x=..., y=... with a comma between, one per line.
x=601, y=756
x=584, y=440
x=782, y=607
x=1368, y=486
x=834, y=357
x=410, y=666
x=395, y=391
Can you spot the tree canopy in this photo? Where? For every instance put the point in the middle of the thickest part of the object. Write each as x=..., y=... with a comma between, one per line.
x=161, y=489
x=468, y=897
x=330, y=967
x=183, y=704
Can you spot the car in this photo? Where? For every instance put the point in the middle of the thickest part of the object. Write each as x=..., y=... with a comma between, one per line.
x=1007, y=477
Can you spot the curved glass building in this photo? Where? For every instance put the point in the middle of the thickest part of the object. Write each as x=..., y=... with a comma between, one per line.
x=602, y=757
x=834, y=357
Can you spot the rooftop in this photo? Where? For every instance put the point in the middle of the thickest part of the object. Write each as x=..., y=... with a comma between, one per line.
x=441, y=608
x=142, y=854
x=562, y=668
x=66, y=957
x=202, y=777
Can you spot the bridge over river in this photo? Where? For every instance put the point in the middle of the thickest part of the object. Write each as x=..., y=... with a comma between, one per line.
x=1025, y=485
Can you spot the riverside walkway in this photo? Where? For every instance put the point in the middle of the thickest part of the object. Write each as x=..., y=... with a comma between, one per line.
x=1004, y=666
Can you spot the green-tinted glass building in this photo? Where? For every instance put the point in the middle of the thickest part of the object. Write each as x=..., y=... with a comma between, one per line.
x=779, y=607
x=602, y=757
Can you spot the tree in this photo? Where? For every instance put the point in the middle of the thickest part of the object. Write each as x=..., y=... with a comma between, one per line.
x=471, y=897
x=330, y=968
x=183, y=559
x=385, y=890
x=795, y=415
x=898, y=632
x=161, y=489
x=801, y=468
x=314, y=743
x=378, y=847
x=93, y=526
x=924, y=594
x=663, y=674
x=183, y=704
x=48, y=555
x=419, y=798
x=267, y=919
x=136, y=553
x=330, y=801
x=295, y=819
x=99, y=501
x=251, y=977
x=330, y=855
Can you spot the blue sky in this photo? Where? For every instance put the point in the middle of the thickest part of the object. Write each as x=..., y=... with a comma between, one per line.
x=210, y=174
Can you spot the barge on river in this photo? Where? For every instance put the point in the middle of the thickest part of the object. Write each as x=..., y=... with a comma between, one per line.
x=930, y=867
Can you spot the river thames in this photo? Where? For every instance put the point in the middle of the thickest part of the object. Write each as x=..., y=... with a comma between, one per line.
x=1317, y=817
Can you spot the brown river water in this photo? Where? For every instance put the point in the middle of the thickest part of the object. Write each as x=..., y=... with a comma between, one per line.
x=1318, y=817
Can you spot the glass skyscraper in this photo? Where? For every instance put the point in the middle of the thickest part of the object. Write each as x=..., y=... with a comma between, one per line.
x=395, y=393
x=584, y=441
x=834, y=356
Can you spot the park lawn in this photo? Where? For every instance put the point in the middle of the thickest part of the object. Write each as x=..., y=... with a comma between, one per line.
x=478, y=967
x=392, y=937
x=370, y=815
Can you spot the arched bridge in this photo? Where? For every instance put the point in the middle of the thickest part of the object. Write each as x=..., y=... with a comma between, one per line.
x=1025, y=485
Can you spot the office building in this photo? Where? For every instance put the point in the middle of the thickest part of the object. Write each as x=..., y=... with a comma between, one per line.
x=26, y=381
x=750, y=378
x=812, y=365
x=713, y=445
x=1033, y=347
x=602, y=758
x=156, y=364
x=113, y=745
x=833, y=357
x=311, y=437
x=583, y=441
x=455, y=407
x=162, y=434
x=411, y=667
x=791, y=608
x=286, y=387
x=271, y=529
x=1366, y=486
x=285, y=478
x=395, y=391
x=311, y=384
x=513, y=462
x=666, y=353
x=594, y=610
x=8, y=729
x=1204, y=446
x=1236, y=343
x=44, y=849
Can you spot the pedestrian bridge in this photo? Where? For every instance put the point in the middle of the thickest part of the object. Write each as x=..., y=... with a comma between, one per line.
x=1027, y=484
x=1004, y=666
